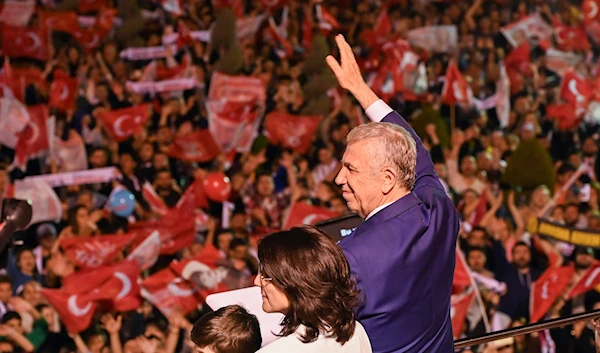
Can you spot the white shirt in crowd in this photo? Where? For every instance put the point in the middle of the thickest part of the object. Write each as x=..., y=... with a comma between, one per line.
x=359, y=343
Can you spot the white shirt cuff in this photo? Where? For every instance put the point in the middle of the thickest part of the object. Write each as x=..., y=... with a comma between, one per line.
x=378, y=110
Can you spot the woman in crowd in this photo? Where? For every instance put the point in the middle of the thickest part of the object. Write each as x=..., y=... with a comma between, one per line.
x=305, y=276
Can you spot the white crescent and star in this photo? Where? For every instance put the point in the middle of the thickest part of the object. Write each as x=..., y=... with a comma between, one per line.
x=119, y=121
x=126, y=284
x=178, y=291
x=593, y=10
x=36, y=41
x=35, y=133
x=64, y=92
x=573, y=89
x=310, y=218
x=74, y=307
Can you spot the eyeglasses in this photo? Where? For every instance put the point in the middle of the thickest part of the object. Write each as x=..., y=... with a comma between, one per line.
x=264, y=281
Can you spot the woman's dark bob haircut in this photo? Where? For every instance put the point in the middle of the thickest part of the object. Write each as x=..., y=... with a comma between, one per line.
x=315, y=276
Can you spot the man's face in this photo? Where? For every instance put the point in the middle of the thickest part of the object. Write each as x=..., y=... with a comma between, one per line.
x=361, y=187
x=476, y=260
x=571, y=215
x=521, y=256
x=15, y=324
x=164, y=180
x=476, y=238
x=468, y=167
x=583, y=261
x=590, y=148
x=5, y=292
x=238, y=253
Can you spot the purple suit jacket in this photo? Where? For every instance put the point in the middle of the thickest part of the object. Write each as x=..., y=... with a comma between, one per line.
x=403, y=258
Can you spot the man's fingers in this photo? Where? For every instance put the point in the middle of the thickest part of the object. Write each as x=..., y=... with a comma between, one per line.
x=335, y=67
x=346, y=53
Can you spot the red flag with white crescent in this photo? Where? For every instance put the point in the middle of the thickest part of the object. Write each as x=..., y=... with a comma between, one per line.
x=547, y=288
x=292, y=131
x=75, y=311
x=590, y=10
x=63, y=21
x=122, y=123
x=63, y=91
x=587, y=282
x=89, y=38
x=34, y=138
x=169, y=292
x=577, y=91
x=25, y=42
x=302, y=213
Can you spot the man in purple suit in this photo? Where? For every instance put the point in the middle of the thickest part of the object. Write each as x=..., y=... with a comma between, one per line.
x=403, y=254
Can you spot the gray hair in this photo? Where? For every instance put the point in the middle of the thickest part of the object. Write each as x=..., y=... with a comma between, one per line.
x=390, y=146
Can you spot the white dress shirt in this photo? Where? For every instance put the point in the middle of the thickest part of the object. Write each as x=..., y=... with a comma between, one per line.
x=359, y=343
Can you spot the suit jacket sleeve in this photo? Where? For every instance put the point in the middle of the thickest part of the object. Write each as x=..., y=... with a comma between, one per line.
x=356, y=274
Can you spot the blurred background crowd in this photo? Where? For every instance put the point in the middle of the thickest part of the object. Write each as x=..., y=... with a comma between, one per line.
x=170, y=135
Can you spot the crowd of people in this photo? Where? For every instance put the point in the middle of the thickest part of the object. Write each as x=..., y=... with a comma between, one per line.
x=502, y=94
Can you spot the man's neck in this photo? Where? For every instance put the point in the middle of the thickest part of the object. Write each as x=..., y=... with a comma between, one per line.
x=388, y=199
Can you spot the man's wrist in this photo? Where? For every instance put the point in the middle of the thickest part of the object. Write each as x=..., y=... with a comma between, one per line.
x=364, y=95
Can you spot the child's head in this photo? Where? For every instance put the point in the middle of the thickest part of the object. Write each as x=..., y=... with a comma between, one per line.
x=230, y=329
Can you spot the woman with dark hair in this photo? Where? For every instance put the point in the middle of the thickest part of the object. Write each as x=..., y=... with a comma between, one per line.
x=305, y=276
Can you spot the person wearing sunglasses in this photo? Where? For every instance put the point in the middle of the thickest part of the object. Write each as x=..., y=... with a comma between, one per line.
x=304, y=275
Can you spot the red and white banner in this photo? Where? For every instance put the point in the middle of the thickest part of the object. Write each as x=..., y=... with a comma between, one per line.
x=547, y=288
x=198, y=146
x=17, y=12
x=146, y=53
x=302, y=213
x=122, y=123
x=157, y=204
x=438, y=39
x=179, y=84
x=90, y=252
x=291, y=131
x=530, y=27
x=92, y=176
x=70, y=155
x=462, y=276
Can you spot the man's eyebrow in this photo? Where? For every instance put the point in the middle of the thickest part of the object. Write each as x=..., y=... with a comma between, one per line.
x=348, y=165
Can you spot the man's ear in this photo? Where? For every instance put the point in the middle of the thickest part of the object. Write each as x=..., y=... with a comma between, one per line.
x=389, y=180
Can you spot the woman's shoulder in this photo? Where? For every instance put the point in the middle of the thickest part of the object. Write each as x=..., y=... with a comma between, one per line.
x=359, y=343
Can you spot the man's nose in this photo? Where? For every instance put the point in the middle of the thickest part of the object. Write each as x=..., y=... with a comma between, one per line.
x=340, y=179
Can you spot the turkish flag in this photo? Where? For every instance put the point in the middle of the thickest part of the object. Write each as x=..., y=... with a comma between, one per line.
x=77, y=300
x=208, y=277
x=12, y=86
x=64, y=21
x=588, y=282
x=547, y=288
x=33, y=43
x=63, y=91
x=462, y=277
x=455, y=88
x=75, y=311
x=571, y=38
x=292, y=131
x=327, y=22
x=590, y=10
x=34, y=138
x=90, y=252
x=193, y=197
x=122, y=123
x=577, y=91
x=169, y=292
x=302, y=213
x=198, y=146
x=236, y=6
x=380, y=32
x=459, y=306
x=84, y=6
x=89, y=38
x=30, y=76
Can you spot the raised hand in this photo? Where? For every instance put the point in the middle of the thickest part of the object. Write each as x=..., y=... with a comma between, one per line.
x=348, y=74
x=110, y=324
